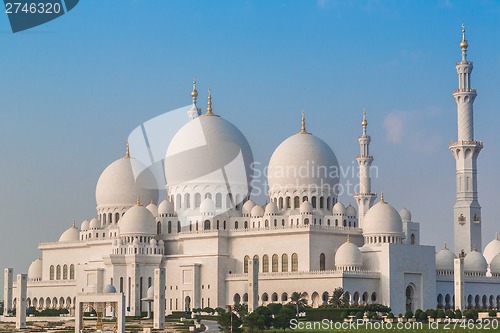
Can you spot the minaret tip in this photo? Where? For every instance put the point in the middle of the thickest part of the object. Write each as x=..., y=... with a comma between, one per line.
x=303, y=124
x=209, y=106
x=127, y=151
x=74, y=224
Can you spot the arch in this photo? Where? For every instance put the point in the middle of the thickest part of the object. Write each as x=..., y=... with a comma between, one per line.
x=206, y=225
x=245, y=298
x=412, y=239
x=245, y=264
x=245, y=224
x=265, y=298
x=71, y=272
x=322, y=262
x=284, y=262
x=324, y=297
x=51, y=272
x=42, y=303
x=477, y=299
x=54, y=303
x=295, y=262
x=485, y=301
x=296, y=202
x=58, y=272
x=35, y=303
x=364, y=298
x=187, y=200
x=197, y=200
x=284, y=297
x=178, y=202
x=274, y=297
x=65, y=272
x=187, y=303
x=178, y=226
x=447, y=301
x=218, y=202
x=374, y=297
x=410, y=297
x=491, y=302
x=315, y=299
x=348, y=297
x=306, y=221
x=28, y=302
x=274, y=259
x=61, y=302
x=313, y=202
x=208, y=196
x=440, y=301
x=169, y=227
x=236, y=225
x=356, y=298
x=265, y=263
x=68, y=302
x=236, y=297
x=158, y=228
x=117, y=217
x=280, y=203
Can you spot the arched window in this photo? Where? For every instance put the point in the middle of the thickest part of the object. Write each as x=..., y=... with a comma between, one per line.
x=304, y=198
x=65, y=272
x=206, y=225
x=328, y=203
x=245, y=264
x=336, y=222
x=313, y=202
x=321, y=202
x=412, y=239
x=158, y=228
x=197, y=200
x=104, y=218
x=117, y=217
x=287, y=203
x=208, y=195
x=224, y=225
x=110, y=217
x=284, y=262
x=58, y=272
x=246, y=225
x=275, y=263
x=72, y=272
x=52, y=272
x=229, y=198
x=296, y=202
x=275, y=223
x=178, y=203
x=178, y=226
x=265, y=263
x=306, y=221
x=280, y=203
x=218, y=200
x=322, y=262
x=187, y=200
x=169, y=227
x=295, y=262
x=266, y=223
x=236, y=225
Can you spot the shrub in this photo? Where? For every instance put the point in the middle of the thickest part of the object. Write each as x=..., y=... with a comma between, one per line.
x=417, y=313
x=378, y=308
x=441, y=314
x=408, y=314
x=450, y=314
x=422, y=316
x=208, y=310
x=343, y=315
x=492, y=313
x=390, y=315
x=359, y=315
x=275, y=307
x=458, y=314
x=431, y=313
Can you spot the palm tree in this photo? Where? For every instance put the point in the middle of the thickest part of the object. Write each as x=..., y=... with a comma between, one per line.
x=298, y=299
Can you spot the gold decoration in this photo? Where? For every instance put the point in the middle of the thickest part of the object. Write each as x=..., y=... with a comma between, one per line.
x=364, y=123
x=445, y=246
x=464, y=44
x=138, y=203
x=194, y=93
x=382, y=197
x=303, y=124
x=127, y=151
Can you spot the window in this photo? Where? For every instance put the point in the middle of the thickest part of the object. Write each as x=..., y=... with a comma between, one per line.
x=321, y=200
x=229, y=198
x=265, y=263
x=52, y=272
x=187, y=200
x=245, y=264
x=158, y=228
x=284, y=263
x=295, y=262
x=178, y=226
x=287, y=202
x=275, y=263
x=412, y=239
x=72, y=272
x=306, y=221
x=197, y=200
x=206, y=225
x=322, y=262
x=117, y=217
x=313, y=202
x=169, y=227
x=178, y=201
x=246, y=224
x=65, y=272
x=296, y=202
x=58, y=272
x=236, y=225
x=280, y=203
x=218, y=200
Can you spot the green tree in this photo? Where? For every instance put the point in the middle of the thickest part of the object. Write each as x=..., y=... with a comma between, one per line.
x=254, y=322
x=422, y=316
x=441, y=314
x=458, y=314
x=408, y=314
x=208, y=310
x=282, y=319
x=266, y=314
x=299, y=301
x=224, y=321
x=337, y=298
x=275, y=307
x=220, y=310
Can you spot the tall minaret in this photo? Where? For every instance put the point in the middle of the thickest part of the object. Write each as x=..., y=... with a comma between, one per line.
x=194, y=111
x=365, y=197
x=467, y=211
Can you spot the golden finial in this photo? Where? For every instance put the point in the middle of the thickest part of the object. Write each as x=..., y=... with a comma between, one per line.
x=127, y=151
x=348, y=238
x=209, y=107
x=303, y=124
x=474, y=248
x=445, y=246
x=382, y=197
x=194, y=93
x=138, y=203
x=463, y=44
x=496, y=236
x=74, y=223
x=364, y=123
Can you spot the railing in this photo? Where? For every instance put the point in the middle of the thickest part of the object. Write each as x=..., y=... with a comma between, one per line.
x=279, y=227
x=464, y=90
x=466, y=143
x=335, y=273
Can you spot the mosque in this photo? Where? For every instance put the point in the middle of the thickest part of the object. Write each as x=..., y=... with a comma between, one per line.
x=213, y=240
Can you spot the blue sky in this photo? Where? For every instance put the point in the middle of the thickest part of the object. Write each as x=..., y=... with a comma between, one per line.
x=73, y=89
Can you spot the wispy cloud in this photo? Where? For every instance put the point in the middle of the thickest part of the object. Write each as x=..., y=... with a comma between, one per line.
x=394, y=127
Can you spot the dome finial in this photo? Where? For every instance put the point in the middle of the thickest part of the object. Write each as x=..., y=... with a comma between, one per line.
x=209, y=107
x=474, y=248
x=348, y=238
x=194, y=93
x=127, y=151
x=364, y=123
x=464, y=44
x=138, y=203
x=303, y=124
x=496, y=236
x=74, y=223
x=382, y=197
x=445, y=246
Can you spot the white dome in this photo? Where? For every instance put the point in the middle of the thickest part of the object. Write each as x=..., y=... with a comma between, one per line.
x=166, y=207
x=339, y=208
x=152, y=242
x=109, y=289
x=35, y=270
x=137, y=221
x=247, y=206
x=94, y=224
x=202, y=149
x=382, y=219
x=492, y=249
x=303, y=162
x=122, y=181
x=348, y=255
x=72, y=234
x=257, y=211
x=207, y=207
x=306, y=207
x=153, y=209
x=474, y=262
x=445, y=260
x=405, y=214
x=495, y=265
x=85, y=225
x=271, y=208
x=351, y=211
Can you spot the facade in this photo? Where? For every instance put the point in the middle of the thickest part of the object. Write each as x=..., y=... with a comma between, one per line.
x=219, y=247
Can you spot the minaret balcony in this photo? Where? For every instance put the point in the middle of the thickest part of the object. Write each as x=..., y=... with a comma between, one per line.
x=472, y=143
x=456, y=91
x=364, y=156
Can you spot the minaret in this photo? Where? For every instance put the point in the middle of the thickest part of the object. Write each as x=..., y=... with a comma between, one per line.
x=467, y=211
x=194, y=111
x=364, y=197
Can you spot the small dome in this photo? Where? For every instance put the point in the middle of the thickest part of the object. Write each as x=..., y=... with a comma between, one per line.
x=474, y=262
x=247, y=206
x=150, y=294
x=271, y=208
x=339, y=208
x=207, y=207
x=166, y=207
x=152, y=242
x=137, y=221
x=405, y=215
x=348, y=255
x=109, y=289
x=306, y=207
x=492, y=249
x=257, y=211
x=94, y=224
x=382, y=219
x=135, y=241
x=495, y=265
x=35, y=270
x=351, y=211
x=445, y=260
x=153, y=209
x=72, y=234
x=160, y=243
x=85, y=225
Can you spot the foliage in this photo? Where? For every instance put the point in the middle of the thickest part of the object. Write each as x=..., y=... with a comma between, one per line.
x=431, y=313
x=390, y=315
x=408, y=314
x=422, y=316
x=458, y=314
x=417, y=313
x=266, y=315
x=299, y=301
x=492, y=313
x=275, y=307
x=378, y=308
x=400, y=315
x=196, y=310
x=333, y=314
x=339, y=298
x=219, y=310
x=471, y=314
x=282, y=319
x=208, y=310
x=242, y=309
x=450, y=314
x=224, y=321
x=359, y=315
x=441, y=314
x=343, y=315
x=254, y=322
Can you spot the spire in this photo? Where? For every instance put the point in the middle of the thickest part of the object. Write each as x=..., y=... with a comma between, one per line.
x=74, y=224
x=348, y=238
x=382, y=197
x=303, y=124
x=127, y=151
x=138, y=203
x=194, y=93
x=496, y=236
x=464, y=44
x=364, y=123
x=209, y=106
x=445, y=246
x=474, y=248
